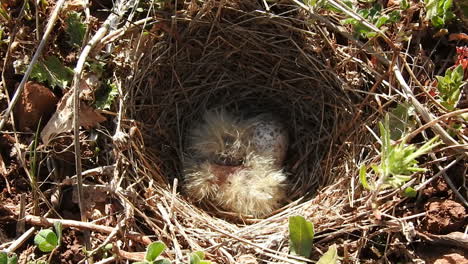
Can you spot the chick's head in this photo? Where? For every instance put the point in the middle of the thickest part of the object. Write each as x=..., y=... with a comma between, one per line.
x=219, y=138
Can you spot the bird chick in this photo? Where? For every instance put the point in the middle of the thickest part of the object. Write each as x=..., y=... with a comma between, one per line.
x=237, y=163
x=255, y=187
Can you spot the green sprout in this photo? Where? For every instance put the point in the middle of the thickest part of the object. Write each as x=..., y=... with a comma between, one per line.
x=439, y=12
x=374, y=15
x=301, y=236
x=198, y=258
x=397, y=162
x=153, y=251
x=449, y=87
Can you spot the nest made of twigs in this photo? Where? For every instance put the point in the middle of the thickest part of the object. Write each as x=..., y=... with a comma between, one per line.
x=236, y=56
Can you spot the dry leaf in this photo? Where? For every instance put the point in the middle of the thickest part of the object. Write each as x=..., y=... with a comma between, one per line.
x=62, y=120
x=37, y=103
x=88, y=85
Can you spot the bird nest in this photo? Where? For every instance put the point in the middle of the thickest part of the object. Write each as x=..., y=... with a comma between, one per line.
x=236, y=55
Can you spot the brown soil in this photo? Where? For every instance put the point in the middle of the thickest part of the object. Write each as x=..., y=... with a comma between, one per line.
x=443, y=216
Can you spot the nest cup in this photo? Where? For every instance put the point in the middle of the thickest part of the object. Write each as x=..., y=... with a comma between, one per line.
x=235, y=56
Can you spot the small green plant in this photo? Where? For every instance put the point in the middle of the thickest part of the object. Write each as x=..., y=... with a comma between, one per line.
x=301, y=236
x=330, y=257
x=152, y=253
x=449, y=87
x=52, y=71
x=198, y=258
x=75, y=29
x=439, y=12
x=47, y=240
x=397, y=162
x=8, y=259
x=374, y=15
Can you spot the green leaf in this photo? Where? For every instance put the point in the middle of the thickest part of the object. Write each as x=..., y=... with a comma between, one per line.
x=154, y=250
x=363, y=178
x=194, y=259
x=381, y=21
x=197, y=257
x=394, y=16
x=75, y=29
x=325, y=4
x=301, y=236
x=58, y=230
x=410, y=192
x=330, y=257
x=449, y=87
x=108, y=247
x=13, y=259
x=46, y=240
x=351, y=21
x=3, y=258
x=106, y=96
x=439, y=12
x=422, y=150
x=53, y=72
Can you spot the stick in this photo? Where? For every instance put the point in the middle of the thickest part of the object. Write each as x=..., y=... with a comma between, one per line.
x=76, y=103
x=42, y=221
x=19, y=242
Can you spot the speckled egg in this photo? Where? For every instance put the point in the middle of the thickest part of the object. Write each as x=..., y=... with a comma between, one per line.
x=269, y=138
